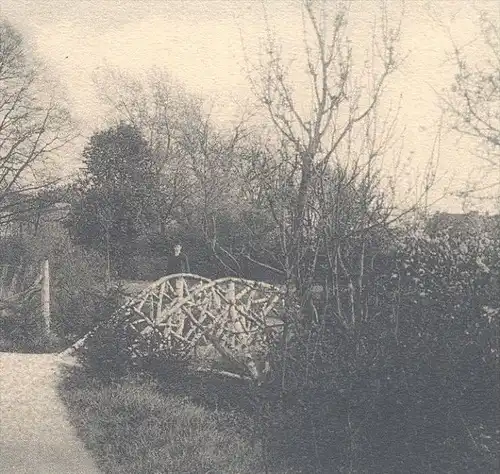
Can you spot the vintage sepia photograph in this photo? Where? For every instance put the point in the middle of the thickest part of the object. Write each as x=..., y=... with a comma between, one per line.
x=249, y=236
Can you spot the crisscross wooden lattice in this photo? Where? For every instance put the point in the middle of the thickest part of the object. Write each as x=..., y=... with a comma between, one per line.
x=238, y=317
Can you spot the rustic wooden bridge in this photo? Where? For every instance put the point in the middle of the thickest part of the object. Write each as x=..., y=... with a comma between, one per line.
x=183, y=313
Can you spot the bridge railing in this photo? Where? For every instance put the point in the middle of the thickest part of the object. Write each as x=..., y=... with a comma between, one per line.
x=184, y=311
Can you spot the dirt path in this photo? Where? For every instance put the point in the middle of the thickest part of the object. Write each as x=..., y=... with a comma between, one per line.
x=35, y=434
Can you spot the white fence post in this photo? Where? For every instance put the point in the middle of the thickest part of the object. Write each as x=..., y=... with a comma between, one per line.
x=46, y=295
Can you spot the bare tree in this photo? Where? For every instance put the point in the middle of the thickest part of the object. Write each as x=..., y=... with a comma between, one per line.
x=196, y=160
x=472, y=104
x=165, y=114
x=33, y=125
x=152, y=102
x=339, y=127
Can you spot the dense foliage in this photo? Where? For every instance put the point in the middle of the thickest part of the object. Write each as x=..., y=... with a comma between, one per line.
x=392, y=366
x=79, y=295
x=416, y=379
x=115, y=198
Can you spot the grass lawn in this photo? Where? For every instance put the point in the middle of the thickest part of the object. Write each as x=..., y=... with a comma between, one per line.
x=134, y=426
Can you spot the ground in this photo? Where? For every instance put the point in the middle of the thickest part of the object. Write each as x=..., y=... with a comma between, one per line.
x=35, y=433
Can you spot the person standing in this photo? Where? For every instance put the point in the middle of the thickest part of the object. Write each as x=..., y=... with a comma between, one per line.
x=178, y=262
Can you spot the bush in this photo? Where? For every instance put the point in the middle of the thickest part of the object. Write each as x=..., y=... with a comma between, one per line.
x=21, y=330
x=413, y=387
x=78, y=284
x=106, y=354
x=115, y=351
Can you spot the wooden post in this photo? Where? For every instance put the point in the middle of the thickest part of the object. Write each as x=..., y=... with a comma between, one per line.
x=159, y=304
x=231, y=297
x=179, y=293
x=179, y=287
x=46, y=296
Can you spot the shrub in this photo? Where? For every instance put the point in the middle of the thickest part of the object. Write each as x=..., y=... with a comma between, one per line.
x=78, y=284
x=106, y=354
x=413, y=383
x=21, y=330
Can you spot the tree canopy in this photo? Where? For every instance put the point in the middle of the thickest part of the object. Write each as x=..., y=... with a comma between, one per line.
x=114, y=198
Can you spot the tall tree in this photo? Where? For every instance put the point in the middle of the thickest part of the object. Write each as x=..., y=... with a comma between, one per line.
x=33, y=124
x=197, y=161
x=328, y=134
x=114, y=200
x=473, y=102
x=164, y=114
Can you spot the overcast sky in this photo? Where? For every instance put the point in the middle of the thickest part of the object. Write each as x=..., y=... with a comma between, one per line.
x=199, y=43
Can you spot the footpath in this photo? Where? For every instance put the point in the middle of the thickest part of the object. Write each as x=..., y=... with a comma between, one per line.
x=36, y=436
